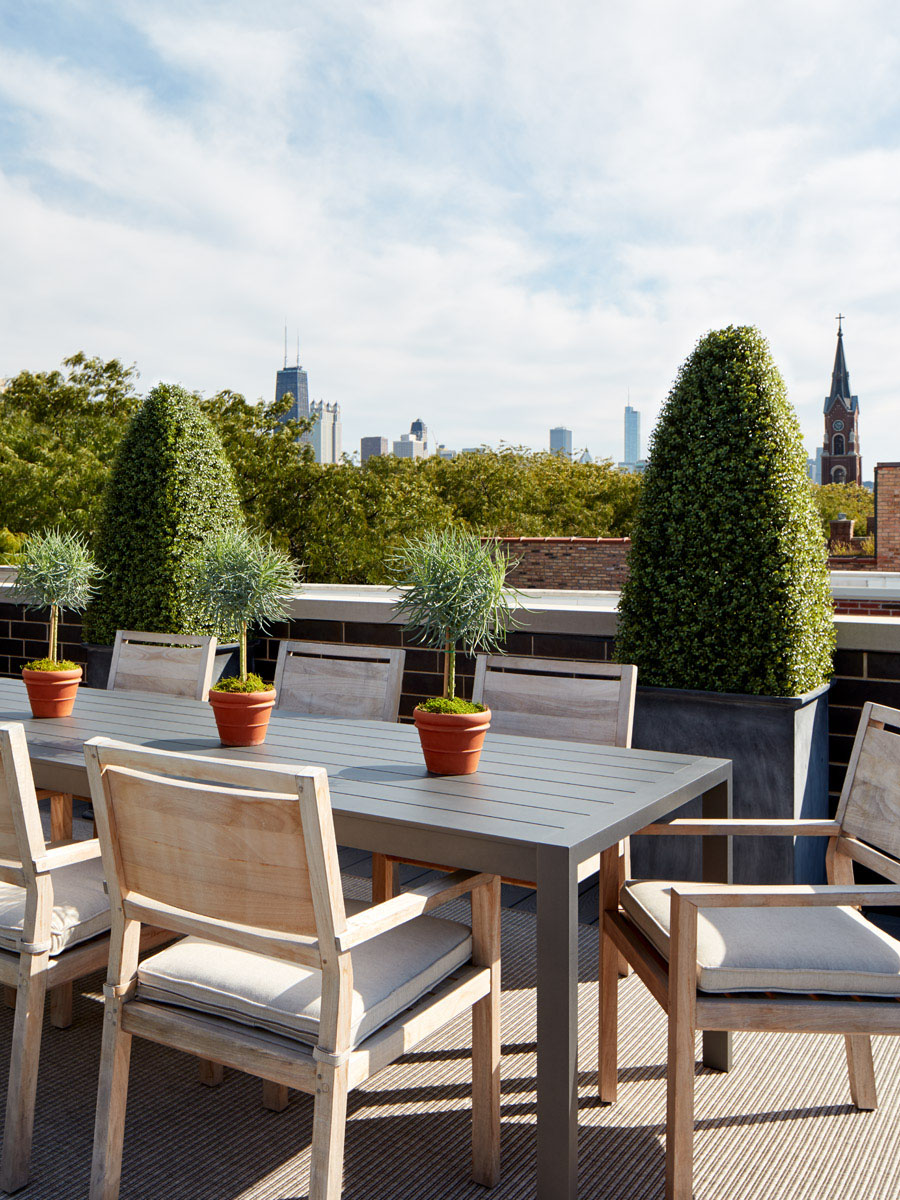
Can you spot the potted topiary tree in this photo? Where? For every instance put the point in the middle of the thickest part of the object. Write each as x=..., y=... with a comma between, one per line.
x=239, y=580
x=454, y=595
x=56, y=571
x=170, y=489
x=727, y=610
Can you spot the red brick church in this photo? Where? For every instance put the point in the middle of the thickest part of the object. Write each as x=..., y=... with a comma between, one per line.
x=841, y=461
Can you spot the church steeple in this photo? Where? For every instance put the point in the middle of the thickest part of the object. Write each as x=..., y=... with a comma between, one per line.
x=840, y=376
x=841, y=462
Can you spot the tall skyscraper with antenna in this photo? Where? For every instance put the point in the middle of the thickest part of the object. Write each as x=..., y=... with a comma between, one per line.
x=293, y=381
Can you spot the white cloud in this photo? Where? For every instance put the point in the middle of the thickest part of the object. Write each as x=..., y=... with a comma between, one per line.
x=493, y=215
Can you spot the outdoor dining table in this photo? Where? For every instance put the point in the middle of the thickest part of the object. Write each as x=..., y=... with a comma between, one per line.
x=536, y=809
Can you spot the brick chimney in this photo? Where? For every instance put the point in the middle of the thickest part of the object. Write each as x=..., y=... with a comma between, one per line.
x=887, y=515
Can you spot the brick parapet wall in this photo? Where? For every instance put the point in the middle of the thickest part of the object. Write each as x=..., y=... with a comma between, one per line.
x=852, y=562
x=590, y=564
x=887, y=515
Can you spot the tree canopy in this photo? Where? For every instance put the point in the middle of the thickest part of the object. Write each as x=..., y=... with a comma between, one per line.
x=60, y=431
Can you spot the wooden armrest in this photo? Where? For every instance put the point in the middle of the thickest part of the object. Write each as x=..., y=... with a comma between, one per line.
x=728, y=895
x=761, y=827
x=868, y=856
x=64, y=854
x=406, y=906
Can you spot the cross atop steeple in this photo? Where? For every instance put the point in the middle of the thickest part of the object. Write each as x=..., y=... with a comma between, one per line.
x=839, y=318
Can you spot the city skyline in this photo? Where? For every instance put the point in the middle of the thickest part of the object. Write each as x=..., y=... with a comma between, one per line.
x=454, y=236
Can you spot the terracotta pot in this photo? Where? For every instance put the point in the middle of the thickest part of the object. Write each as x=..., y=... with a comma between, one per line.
x=51, y=693
x=242, y=718
x=451, y=742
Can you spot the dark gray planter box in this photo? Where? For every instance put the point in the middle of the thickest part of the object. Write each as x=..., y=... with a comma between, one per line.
x=779, y=747
x=99, y=660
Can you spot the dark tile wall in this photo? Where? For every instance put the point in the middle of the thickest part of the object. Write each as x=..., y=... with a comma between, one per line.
x=860, y=675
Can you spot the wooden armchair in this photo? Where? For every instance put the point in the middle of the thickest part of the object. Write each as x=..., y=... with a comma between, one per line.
x=54, y=928
x=787, y=958
x=177, y=664
x=345, y=990
x=330, y=679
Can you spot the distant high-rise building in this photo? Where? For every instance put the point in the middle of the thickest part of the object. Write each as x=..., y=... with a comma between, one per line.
x=632, y=434
x=325, y=435
x=371, y=447
x=561, y=441
x=585, y=456
x=409, y=447
x=419, y=430
x=293, y=381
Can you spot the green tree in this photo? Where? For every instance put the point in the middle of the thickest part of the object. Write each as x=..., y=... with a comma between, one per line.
x=58, y=436
x=514, y=492
x=728, y=589
x=170, y=489
x=851, y=499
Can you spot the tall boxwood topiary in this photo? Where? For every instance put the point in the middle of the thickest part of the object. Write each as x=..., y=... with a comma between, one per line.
x=171, y=488
x=728, y=588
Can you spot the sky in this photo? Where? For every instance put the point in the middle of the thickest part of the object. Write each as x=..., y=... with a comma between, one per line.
x=496, y=215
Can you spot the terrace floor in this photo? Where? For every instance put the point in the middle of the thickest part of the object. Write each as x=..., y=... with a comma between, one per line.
x=779, y=1127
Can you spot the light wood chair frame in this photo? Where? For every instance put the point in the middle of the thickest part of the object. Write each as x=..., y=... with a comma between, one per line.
x=126, y=646
x=673, y=983
x=26, y=861
x=361, y=656
x=297, y=807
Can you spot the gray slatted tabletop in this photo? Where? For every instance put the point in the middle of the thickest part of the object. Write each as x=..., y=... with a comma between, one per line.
x=536, y=809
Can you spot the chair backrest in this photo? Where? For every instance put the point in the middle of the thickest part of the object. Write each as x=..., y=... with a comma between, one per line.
x=178, y=664
x=21, y=837
x=335, y=680
x=557, y=698
x=229, y=850
x=869, y=808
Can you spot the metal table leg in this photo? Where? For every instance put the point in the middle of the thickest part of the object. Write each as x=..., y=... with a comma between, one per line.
x=557, y=1025
x=717, y=868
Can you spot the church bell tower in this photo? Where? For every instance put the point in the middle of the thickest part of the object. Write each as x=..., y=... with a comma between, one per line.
x=841, y=461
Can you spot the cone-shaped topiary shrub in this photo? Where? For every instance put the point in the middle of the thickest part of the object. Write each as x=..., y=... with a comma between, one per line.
x=171, y=488
x=728, y=588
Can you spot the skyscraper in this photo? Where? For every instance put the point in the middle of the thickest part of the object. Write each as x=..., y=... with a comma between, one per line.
x=561, y=441
x=632, y=434
x=293, y=380
x=325, y=435
x=370, y=447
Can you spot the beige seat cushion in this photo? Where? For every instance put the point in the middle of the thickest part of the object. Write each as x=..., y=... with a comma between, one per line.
x=832, y=950
x=390, y=973
x=80, y=907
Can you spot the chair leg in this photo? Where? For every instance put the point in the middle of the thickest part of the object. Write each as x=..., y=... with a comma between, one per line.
x=210, y=1073
x=275, y=1096
x=624, y=872
x=112, y=1094
x=862, y=1070
x=486, y=1038
x=61, y=1005
x=680, y=1076
x=60, y=817
x=608, y=1017
x=329, y=1126
x=23, y=1072
x=384, y=878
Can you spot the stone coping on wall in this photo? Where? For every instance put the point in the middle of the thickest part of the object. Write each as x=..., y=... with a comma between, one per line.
x=544, y=611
